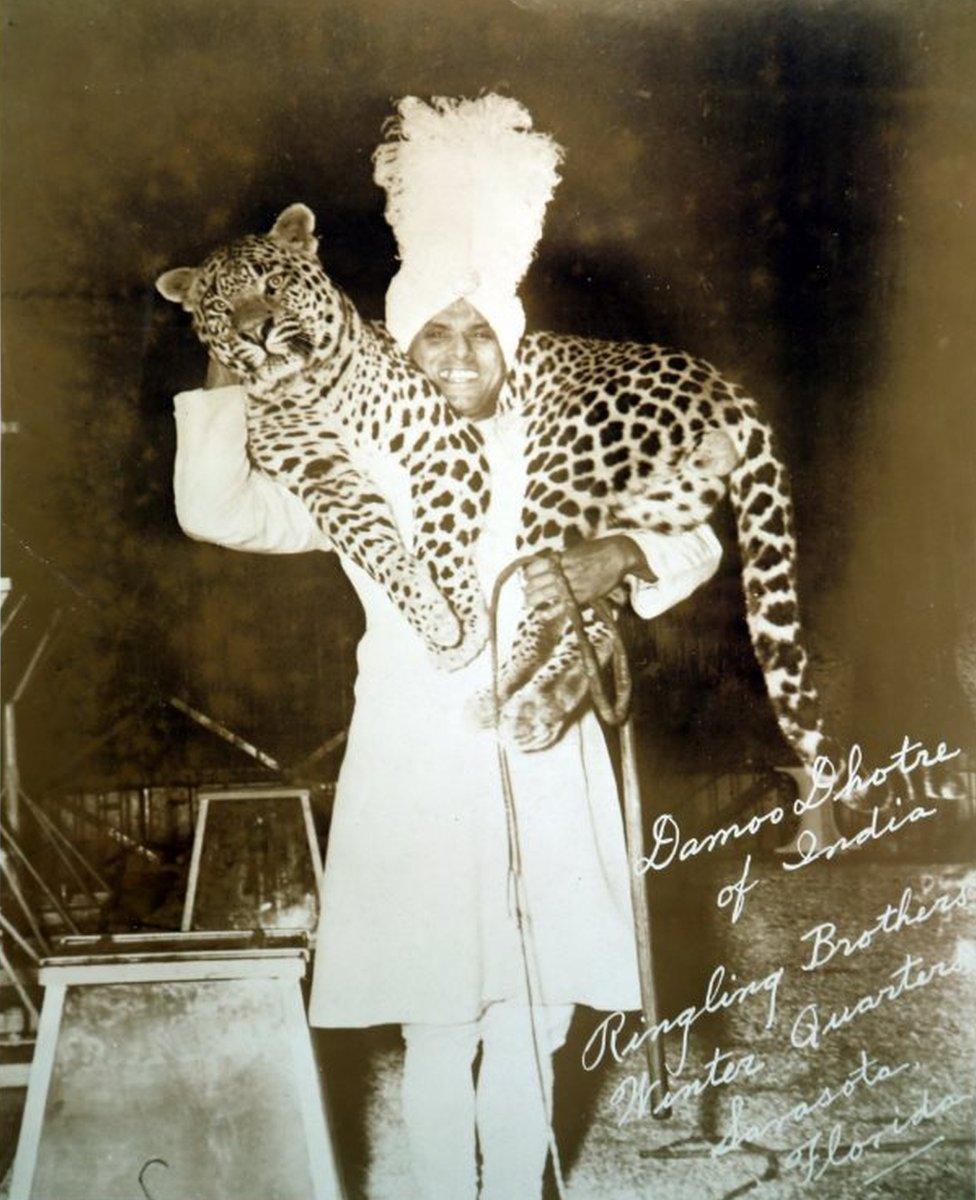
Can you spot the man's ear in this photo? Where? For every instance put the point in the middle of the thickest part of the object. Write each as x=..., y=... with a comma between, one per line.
x=295, y=229
x=179, y=285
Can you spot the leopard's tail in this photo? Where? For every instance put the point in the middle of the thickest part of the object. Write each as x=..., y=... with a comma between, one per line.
x=760, y=494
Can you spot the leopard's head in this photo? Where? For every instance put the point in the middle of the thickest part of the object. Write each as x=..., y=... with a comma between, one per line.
x=263, y=305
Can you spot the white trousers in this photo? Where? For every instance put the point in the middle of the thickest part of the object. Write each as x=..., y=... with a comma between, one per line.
x=442, y=1106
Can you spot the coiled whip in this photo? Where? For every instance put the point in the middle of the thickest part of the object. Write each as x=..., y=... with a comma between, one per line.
x=615, y=712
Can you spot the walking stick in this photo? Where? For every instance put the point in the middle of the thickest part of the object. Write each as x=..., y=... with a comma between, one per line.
x=634, y=830
x=618, y=715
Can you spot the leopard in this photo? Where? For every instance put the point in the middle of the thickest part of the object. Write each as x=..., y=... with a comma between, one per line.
x=618, y=435
x=323, y=387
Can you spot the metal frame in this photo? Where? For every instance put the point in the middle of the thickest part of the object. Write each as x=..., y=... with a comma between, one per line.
x=37, y=1089
x=254, y=792
x=152, y=964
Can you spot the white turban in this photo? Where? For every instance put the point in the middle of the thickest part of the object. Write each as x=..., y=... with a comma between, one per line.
x=467, y=184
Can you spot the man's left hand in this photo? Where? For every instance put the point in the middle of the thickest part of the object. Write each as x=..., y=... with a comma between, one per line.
x=592, y=569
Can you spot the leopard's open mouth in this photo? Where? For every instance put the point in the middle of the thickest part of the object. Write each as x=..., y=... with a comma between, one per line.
x=302, y=344
x=278, y=347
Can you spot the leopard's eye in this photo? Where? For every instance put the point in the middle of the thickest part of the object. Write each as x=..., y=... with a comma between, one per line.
x=274, y=282
x=220, y=306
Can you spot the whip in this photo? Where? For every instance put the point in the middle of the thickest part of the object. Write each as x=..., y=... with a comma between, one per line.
x=614, y=712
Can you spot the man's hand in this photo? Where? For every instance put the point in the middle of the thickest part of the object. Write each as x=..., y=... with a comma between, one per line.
x=218, y=375
x=592, y=569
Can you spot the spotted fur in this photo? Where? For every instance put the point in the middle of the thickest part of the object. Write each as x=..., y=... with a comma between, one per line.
x=323, y=387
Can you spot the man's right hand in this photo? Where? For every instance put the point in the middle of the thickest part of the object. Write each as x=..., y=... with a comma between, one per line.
x=592, y=569
x=218, y=375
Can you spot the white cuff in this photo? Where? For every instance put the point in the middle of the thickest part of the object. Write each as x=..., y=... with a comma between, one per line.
x=682, y=562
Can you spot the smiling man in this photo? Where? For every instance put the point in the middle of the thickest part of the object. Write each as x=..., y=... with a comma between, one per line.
x=458, y=351
x=417, y=928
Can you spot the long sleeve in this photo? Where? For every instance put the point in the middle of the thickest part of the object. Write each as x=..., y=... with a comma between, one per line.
x=682, y=562
x=219, y=496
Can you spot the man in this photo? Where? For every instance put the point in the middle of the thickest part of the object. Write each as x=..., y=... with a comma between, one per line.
x=419, y=926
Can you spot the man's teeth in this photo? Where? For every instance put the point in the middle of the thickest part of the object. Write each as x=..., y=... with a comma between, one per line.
x=459, y=375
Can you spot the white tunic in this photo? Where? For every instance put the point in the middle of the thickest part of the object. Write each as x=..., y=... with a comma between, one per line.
x=417, y=922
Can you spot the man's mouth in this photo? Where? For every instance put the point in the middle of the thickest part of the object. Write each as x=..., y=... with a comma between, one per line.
x=458, y=375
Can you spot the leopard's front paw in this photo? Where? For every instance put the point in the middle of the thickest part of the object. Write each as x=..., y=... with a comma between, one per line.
x=475, y=625
x=431, y=613
x=453, y=658
x=473, y=632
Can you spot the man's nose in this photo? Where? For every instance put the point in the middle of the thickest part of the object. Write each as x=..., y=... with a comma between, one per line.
x=461, y=348
x=251, y=314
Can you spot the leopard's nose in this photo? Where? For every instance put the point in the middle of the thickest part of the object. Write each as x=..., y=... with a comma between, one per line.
x=253, y=318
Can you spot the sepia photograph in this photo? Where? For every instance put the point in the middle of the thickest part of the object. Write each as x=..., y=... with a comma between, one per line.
x=489, y=600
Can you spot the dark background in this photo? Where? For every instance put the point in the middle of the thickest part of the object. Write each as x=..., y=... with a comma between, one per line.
x=786, y=189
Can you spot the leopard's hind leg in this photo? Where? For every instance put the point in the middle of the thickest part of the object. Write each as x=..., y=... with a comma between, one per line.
x=535, y=640
x=536, y=714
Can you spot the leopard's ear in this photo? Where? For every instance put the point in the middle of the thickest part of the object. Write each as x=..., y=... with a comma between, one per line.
x=295, y=229
x=179, y=285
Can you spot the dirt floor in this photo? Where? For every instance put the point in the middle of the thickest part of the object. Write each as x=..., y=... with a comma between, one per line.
x=908, y=1136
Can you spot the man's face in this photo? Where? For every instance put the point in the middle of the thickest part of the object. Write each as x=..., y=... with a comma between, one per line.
x=458, y=352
